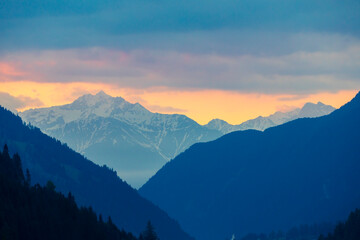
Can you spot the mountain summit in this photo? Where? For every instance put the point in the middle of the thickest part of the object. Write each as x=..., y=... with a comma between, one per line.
x=125, y=136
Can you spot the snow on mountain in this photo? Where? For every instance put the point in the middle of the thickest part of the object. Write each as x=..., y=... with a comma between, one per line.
x=309, y=110
x=134, y=141
x=315, y=110
x=125, y=136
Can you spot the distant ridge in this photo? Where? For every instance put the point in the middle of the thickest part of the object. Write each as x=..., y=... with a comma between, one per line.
x=305, y=171
x=92, y=185
x=309, y=110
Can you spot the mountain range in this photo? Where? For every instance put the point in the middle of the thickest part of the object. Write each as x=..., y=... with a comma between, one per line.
x=309, y=110
x=127, y=137
x=91, y=185
x=302, y=172
x=134, y=141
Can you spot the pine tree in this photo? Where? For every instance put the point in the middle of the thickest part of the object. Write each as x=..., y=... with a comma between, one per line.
x=50, y=186
x=149, y=233
x=28, y=177
x=6, y=151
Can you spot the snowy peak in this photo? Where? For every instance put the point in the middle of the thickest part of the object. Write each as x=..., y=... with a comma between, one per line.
x=309, y=110
x=315, y=110
x=217, y=124
x=101, y=93
x=125, y=136
x=98, y=105
x=100, y=98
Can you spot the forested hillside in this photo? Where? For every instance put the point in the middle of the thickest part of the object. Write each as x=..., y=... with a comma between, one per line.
x=92, y=185
x=36, y=212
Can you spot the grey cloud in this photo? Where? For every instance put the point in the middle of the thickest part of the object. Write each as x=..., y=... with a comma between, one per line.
x=285, y=108
x=155, y=108
x=165, y=109
x=293, y=98
x=299, y=72
x=108, y=23
x=12, y=103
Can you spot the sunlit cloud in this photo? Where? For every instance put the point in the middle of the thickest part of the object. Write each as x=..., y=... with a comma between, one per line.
x=285, y=108
x=298, y=72
x=15, y=103
x=200, y=105
x=206, y=59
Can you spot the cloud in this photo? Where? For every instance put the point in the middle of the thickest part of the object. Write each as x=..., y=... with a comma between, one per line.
x=300, y=72
x=285, y=108
x=153, y=107
x=265, y=46
x=13, y=103
x=165, y=109
x=47, y=24
x=293, y=98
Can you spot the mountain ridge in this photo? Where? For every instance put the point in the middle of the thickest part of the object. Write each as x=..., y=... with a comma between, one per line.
x=304, y=171
x=261, y=123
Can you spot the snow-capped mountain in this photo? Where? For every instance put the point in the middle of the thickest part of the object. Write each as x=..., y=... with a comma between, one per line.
x=134, y=141
x=126, y=137
x=309, y=110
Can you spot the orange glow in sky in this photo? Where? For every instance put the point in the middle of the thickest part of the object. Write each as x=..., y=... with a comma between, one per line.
x=200, y=105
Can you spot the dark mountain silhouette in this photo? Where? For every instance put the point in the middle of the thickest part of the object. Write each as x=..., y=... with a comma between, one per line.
x=41, y=213
x=99, y=187
x=302, y=172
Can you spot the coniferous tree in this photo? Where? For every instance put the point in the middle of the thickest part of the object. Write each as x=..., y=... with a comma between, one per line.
x=149, y=233
x=28, y=177
x=50, y=186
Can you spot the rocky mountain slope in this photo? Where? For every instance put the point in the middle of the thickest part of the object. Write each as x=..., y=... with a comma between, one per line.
x=126, y=137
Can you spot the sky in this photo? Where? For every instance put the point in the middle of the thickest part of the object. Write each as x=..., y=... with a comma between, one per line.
x=229, y=59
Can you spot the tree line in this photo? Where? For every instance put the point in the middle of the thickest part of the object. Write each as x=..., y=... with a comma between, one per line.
x=39, y=212
x=348, y=230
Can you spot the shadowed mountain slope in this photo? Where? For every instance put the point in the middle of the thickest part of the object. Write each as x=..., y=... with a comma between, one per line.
x=35, y=212
x=302, y=172
x=92, y=185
